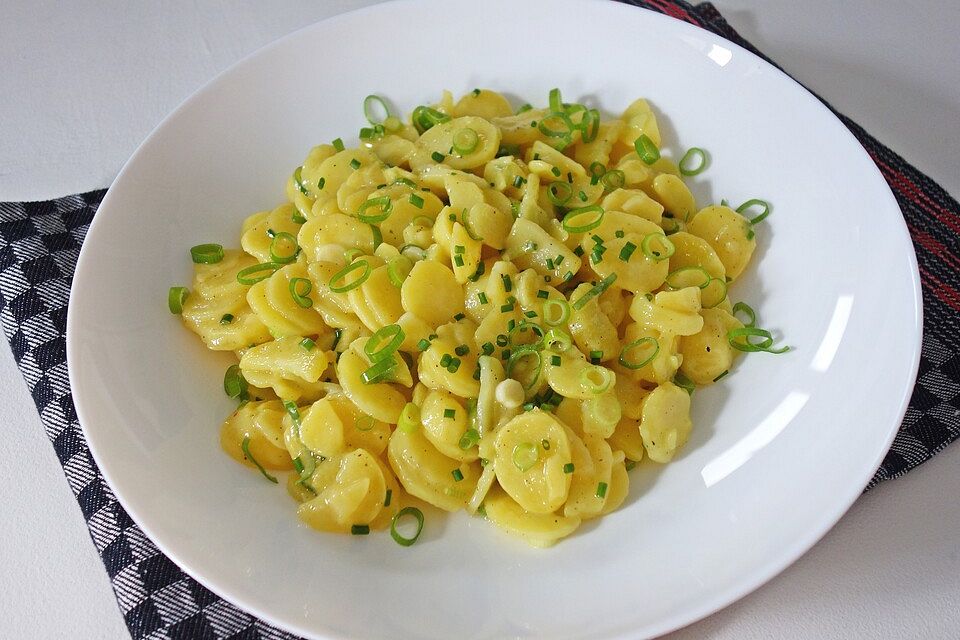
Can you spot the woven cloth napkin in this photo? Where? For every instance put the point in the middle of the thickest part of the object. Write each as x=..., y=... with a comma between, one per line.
x=39, y=245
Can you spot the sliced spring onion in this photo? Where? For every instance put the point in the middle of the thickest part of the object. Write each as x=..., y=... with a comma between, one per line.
x=234, y=384
x=399, y=538
x=426, y=117
x=556, y=312
x=555, y=100
x=597, y=289
x=258, y=272
x=409, y=418
x=339, y=284
x=299, y=291
x=684, y=383
x=379, y=371
x=416, y=201
x=176, y=296
x=375, y=210
x=469, y=226
x=298, y=180
x=590, y=125
x=298, y=217
x=517, y=329
x=747, y=309
x=596, y=379
x=525, y=455
x=364, y=423
x=293, y=412
x=557, y=125
x=765, y=209
x=360, y=529
x=654, y=252
x=557, y=340
x=645, y=148
x=377, y=236
x=559, y=193
x=384, y=342
x=742, y=339
x=308, y=344
x=639, y=353
x=209, y=253
x=470, y=438
x=398, y=269
x=245, y=447
x=369, y=106
x=627, y=251
x=693, y=162
x=281, y=241
x=351, y=253
x=714, y=293
x=613, y=179
x=465, y=141
x=533, y=373
x=583, y=219
x=688, y=277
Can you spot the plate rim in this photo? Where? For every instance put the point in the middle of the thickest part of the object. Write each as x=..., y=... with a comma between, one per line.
x=727, y=594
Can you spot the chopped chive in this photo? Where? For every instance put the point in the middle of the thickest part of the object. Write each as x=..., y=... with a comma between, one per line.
x=308, y=344
x=627, y=251
x=355, y=163
x=482, y=297
x=619, y=233
x=629, y=464
x=568, y=468
x=321, y=182
x=388, y=498
x=555, y=360
x=226, y=318
x=602, y=490
x=437, y=156
x=454, y=365
x=578, y=251
x=423, y=344
x=450, y=413
x=507, y=282
x=360, y=529
x=542, y=294
x=245, y=446
x=457, y=475
x=722, y=375
x=487, y=348
x=462, y=350
x=459, y=317
x=530, y=314
x=338, y=144
x=506, y=307
x=416, y=201
x=445, y=360
x=596, y=357
x=518, y=181
x=582, y=196
x=550, y=264
x=595, y=291
x=458, y=260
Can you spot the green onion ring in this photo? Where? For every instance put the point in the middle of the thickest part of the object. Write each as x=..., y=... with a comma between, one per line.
x=253, y=275
x=245, y=447
x=564, y=312
x=206, y=253
x=175, y=299
x=383, y=203
x=613, y=179
x=525, y=455
x=465, y=141
x=747, y=309
x=597, y=387
x=234, y=384
x=557, y=340
x=368, y=104
x=645, y=148
x=298, y=180
x=633, y=364
x=599, y=288
x=693, y=153
x=396, y=535
x=518, y=355
x=559, y=192
x=398, y=269
x=555, y=132
x=299, y=291
x=384, y=342
x=347, y=270
x=752, y=202
x=594, y=210
x=647, y=245
x=675, y=279
x=379, y=371
x=765, y=344
x=281, y=258
x=409, y=418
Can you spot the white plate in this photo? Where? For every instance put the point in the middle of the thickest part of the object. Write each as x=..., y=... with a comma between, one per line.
x=780, y=450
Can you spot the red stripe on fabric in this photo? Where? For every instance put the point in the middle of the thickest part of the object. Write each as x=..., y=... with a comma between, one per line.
x=945, y=292
x=934, y=246
x=673, y=11
x=908, y=188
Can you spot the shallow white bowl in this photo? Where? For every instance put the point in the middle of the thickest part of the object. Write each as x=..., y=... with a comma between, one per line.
x=780, y=450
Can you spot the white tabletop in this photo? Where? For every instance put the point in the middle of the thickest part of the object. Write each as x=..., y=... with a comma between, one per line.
x=82, y=83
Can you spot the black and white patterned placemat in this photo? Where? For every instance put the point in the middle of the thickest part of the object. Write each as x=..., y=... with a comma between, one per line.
x=39, y=245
